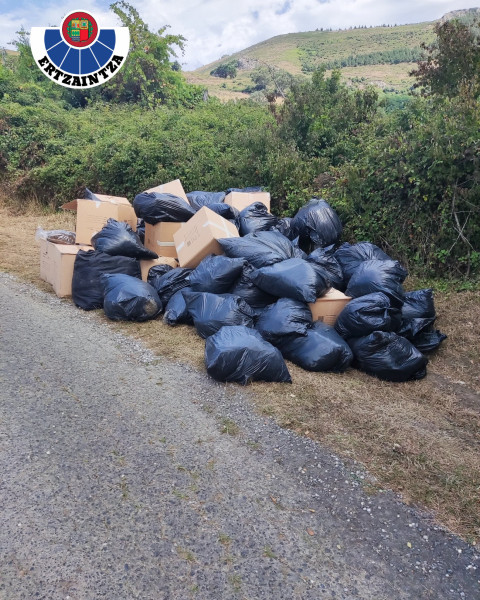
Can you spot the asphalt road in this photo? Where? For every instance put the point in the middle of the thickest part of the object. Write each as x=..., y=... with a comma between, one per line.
x=117, y=482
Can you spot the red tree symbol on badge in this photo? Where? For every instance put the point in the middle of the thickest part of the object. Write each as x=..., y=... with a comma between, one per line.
x=79, y=29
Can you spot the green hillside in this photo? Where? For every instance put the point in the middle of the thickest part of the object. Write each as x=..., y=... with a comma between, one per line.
x=383, y=55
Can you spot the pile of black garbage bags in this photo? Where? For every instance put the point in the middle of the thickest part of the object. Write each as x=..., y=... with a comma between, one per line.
x=251, y=304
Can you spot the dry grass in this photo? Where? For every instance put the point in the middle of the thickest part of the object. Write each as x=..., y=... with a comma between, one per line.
x=418, y=438
x=390, y=76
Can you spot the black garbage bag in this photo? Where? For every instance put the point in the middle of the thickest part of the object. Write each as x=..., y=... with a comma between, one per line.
x=169, y=283
x=216, y=274
x=118, y=239
x=127, y=298
x=199, y=199
x=293, y=278
x=284, y=226
x=418, y=305
x=285, y=318
x=322, y=349
x=323, y=257
x=317, y=224
x=176, y=311
x=89, y=195
x=247, y=190
x=260, y=249
x=420, y=332
x=210, y=312
x=410, y=328
x=256, y=218
x=141, y=230
x=227, y=212
x=251, y=293
x=298, y=252
x=366, y=314
x=384, y=276
x=157, y=271
x=240, y=354
x=350, y=256
x=154, y=207
x=89, y=266
x=388, y=356
x=428, y=341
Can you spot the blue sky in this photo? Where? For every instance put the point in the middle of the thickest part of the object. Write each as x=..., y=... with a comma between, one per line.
x=214, y=28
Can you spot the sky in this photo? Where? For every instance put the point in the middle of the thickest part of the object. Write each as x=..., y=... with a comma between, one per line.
x=215, y=28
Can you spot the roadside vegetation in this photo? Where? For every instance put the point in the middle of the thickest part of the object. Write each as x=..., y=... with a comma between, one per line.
x=402, y=172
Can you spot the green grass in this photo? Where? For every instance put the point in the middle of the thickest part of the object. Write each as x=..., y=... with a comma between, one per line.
x=286, y=51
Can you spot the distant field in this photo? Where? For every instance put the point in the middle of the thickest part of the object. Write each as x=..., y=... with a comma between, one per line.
x=314, y=48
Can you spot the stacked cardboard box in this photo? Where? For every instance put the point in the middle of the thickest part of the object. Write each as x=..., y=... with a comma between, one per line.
x=190, y=241
x=92, y=215
x=198, y=237
x=159, y=237
x=57, y=260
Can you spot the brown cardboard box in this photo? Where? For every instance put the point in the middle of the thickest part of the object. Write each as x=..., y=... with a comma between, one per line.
x=146, y=265
x=172, y=187
x=56, y=265
x=92, y=215
x=46, y=269
x=198, y=237
x=159, y=238
x=328, y=307
x=241, y=200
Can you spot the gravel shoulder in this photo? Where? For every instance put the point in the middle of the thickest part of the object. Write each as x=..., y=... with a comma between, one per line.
x=119, y=481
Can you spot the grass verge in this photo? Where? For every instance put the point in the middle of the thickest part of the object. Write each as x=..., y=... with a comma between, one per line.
x=418, y=438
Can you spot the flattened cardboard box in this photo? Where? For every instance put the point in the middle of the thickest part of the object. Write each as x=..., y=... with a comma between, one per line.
x=172, y=187
x=92, y=215
x=241, y=200
x=159, y=238
x=146, y=265
x=56, y=265
x=198, y=237
x=328, y=307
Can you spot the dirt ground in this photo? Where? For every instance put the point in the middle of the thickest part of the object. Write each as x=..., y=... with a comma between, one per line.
x=420, y=438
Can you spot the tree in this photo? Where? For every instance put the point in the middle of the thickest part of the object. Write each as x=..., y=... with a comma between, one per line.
x=149, y=76
x=324, y=117
x=226, y=69
x=452, y=63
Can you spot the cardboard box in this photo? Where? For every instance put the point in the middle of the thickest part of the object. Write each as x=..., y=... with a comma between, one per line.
x=198, y=237
x=146, y=265
x=56, y=265
x=92, y=215
x=328, y=307
x=159, y=238
x=172, y=187
x=241, y=200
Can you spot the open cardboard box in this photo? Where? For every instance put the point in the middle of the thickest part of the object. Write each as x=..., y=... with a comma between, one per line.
x=328, y=307
x=93, y=214
x=172, y=187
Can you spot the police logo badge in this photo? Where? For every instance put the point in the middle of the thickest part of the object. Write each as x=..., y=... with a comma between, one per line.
x=79, y=54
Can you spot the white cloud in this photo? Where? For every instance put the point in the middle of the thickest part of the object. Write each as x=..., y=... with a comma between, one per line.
x=214, y=27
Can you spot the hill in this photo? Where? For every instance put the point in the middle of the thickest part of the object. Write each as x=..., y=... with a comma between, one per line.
x=382, y=56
